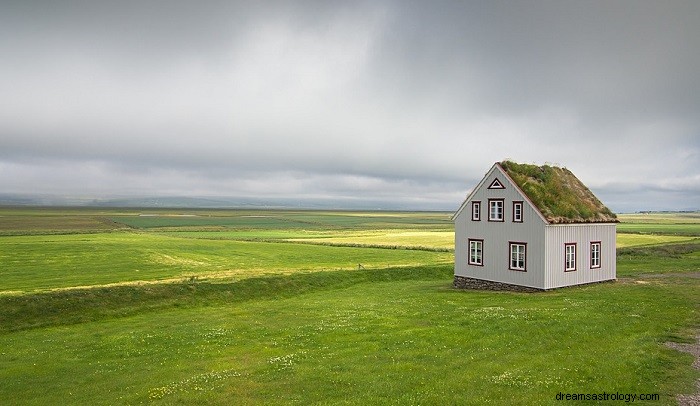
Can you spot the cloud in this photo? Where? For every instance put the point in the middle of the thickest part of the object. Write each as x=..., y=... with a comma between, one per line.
x=390, y=100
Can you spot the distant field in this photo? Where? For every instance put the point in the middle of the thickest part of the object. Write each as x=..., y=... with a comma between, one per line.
x=413, y=238
x=661, y=218
x=631, y=240
x=14, y=221
x=403, y=237
x=686, y=224
x=285, y=219
x=59, y=261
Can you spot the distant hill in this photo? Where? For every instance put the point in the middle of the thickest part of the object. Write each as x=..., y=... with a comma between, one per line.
x=216, y=203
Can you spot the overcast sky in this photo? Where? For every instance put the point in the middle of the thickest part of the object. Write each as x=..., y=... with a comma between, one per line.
x=394, y=101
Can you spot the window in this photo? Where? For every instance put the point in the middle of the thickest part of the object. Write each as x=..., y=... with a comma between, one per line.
x=595, y=254
x=517, y=212
x=476, y=211
x=570, y=257
x=517, y=256
x=495, y=209
x=496, y=184
x=476, y=252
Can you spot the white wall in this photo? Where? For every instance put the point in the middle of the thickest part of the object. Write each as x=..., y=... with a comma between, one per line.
x=583, y=235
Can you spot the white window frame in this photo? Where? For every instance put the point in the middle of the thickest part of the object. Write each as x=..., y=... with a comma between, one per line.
x=476, y=252
x=569, y=257
x=518, y=256
x=596, y=248
x=476, y=211
x=517, y=212
x=494, y=213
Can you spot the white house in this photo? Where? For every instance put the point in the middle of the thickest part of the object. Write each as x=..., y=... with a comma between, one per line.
x=528, y=227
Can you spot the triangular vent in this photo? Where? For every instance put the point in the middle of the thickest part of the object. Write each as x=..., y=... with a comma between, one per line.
x=496, y=184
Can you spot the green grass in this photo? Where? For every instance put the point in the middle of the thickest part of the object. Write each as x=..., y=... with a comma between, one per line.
x=659, y=260
x=284, y=219
x=661, y=218
x=559, y=195
x=691, y=230
x=420, y=238
x=233, y=313
x=407, y=238
x=18, y=221
x=379, y=339
x=683, y=224
x=60, y=261
x=631, y=240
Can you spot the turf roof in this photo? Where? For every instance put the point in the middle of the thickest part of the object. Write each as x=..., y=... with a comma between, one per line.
x=558, y=194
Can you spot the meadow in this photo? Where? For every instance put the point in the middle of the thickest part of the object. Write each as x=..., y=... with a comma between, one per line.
x=126, y=306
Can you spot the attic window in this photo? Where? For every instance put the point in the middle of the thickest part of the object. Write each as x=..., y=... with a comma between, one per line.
x=496, y=184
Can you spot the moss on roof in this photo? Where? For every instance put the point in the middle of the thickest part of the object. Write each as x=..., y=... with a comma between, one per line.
x=558, y=194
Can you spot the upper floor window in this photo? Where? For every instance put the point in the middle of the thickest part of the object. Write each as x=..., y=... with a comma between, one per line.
x=595, y=254
x=476, y=211
x=570, y=257
x=517, y=212
x=495, y=209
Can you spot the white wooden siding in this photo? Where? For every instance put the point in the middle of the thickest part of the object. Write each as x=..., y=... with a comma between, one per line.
x=557, y=236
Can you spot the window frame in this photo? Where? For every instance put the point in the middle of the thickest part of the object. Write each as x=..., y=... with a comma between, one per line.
x=518, y=203
x=479, y=242
x=512, y=244
x=496, y=184
x=476, y=208
x=503, y=209
x=568, y=245
x=599, y=244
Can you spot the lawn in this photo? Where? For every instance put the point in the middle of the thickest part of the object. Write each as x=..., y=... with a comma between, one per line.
x=221, y=307
x=37, y=262
x=377, y=341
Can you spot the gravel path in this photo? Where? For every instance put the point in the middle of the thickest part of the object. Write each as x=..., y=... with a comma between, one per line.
x=694, y=349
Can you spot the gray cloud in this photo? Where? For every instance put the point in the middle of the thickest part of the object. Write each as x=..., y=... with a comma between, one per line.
x=404, y=101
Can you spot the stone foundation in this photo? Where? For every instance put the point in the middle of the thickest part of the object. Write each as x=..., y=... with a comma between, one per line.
x=462, y=282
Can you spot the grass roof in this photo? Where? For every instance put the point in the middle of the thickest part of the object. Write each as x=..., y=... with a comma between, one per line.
x=558, y=194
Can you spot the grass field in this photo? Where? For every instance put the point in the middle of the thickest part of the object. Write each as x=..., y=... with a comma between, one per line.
x=682, y=224
x=267, y=307
x=60, y=261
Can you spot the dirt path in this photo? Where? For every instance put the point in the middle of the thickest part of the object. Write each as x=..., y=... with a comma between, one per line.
x=694, y=349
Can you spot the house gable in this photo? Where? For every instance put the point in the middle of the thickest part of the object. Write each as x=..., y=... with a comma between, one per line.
x=493, y=177
x=555, y=193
